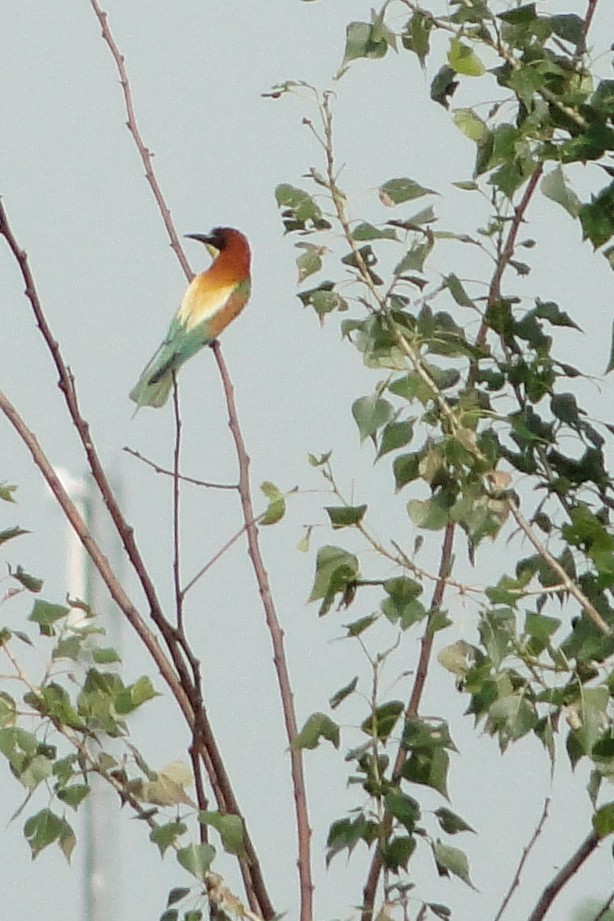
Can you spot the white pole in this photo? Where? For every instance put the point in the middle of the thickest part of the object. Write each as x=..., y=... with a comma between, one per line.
x=101, y=833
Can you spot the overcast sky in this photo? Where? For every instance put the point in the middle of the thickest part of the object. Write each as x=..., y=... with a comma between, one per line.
x=73, y=187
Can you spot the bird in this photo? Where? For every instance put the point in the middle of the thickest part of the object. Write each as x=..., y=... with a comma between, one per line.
x=213, y=299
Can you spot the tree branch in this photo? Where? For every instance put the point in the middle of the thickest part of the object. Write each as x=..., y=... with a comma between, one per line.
x=570, y=586
x=572, y=866
x=411, y=711
x=277, y=640
x=303, y=829
x=525, y=853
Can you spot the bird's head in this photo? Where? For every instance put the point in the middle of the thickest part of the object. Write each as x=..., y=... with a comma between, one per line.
x=218, y=239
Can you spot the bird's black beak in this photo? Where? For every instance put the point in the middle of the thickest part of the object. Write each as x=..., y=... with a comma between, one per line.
x=207, y=240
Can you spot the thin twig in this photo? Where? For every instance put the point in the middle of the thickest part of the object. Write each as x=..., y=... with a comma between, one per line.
x=133, y=127
x=176, y=508
x=507, y=251
x=525, y=853
x=411, y=711
x=570, y=585
x=605, y=909
x=277, y=640
x=590, y=843
x=182, y=476
x=216, y=556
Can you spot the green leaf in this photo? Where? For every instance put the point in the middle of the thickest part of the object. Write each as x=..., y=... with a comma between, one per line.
x=300, y=210
x=470, y=124
x=74, y=795
x=345, y=516
x=452, y=860
x=366, y=40
x=277, y=504
x=370, y=414
x=396, y=852
x=406, y=468
x=318, y=726
x=359, y=626
x=46, y=614
x=230, y=828
x=405, y=809
x=603, y=820
x=414, y=258
x=395, y=435
x=196, y=859
x=464, y=60
x=430, y=514
x=164, y=836
x=456, y=289
x=512, y=717
x=458, y=657
x=8, y=709
x=365, y=232
x=323, y=299
x=416, y=35
x=569, y=27
x=429, y=767
x=444, y=85
x=450, y=822
x=522, y=15
x=170, y=915
x=554, y=186
x=401, y=606
x=67, y=840
x=382, y=721
x=177, y=894
x=310, y=261
x=105, y=655
x=6, y=492
x=342, y=693
x=440, y=911
x=336, y=571
x=396, y=191
x=42, y=830
x=10, y=533
x=135, y=695
x=30, y=582
x=597, y=217
x=344, y=834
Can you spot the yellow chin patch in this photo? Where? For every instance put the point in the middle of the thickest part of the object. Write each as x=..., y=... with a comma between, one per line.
x=212, y=250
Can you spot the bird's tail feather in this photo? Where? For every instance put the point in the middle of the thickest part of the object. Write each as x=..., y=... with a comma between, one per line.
x=156, y=381
x=148, y=392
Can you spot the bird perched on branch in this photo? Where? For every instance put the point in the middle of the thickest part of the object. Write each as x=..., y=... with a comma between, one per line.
x=213, y=299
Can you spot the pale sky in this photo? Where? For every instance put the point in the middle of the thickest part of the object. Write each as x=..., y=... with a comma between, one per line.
x=73, y=187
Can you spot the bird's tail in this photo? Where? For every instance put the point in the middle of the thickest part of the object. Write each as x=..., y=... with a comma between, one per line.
x=156, y=381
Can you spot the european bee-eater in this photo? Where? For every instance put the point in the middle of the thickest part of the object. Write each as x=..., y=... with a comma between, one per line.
x=213, y=299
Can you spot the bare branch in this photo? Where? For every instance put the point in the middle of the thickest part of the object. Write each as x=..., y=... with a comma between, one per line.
x=558, y=881
x=277, y=640
x=145, y=154
x=176, y=509
x=182, y=476
x=525, y=853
